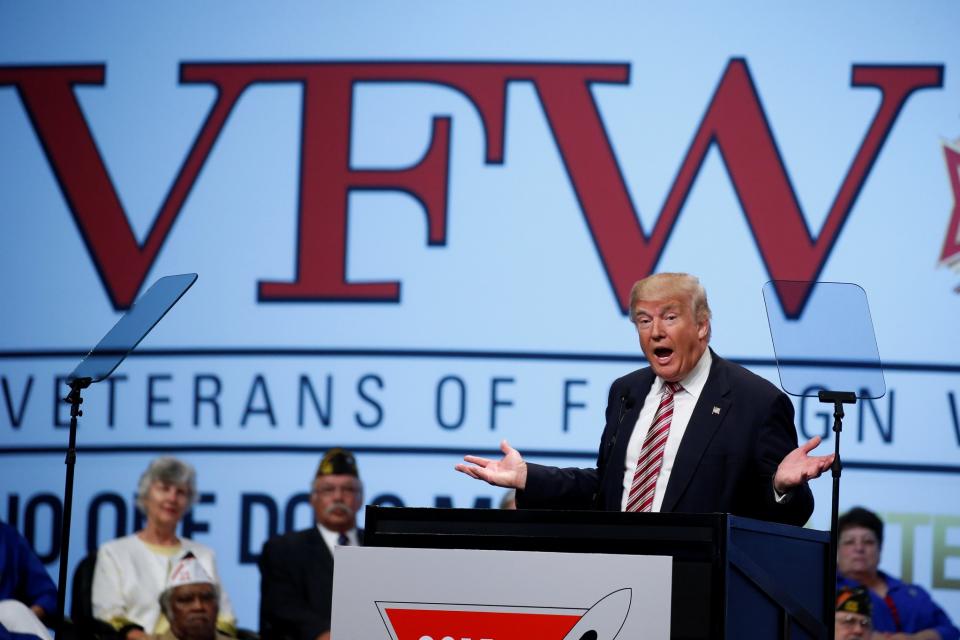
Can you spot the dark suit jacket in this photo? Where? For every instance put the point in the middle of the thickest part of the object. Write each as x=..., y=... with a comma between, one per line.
x=296, y=586
x=740, y=430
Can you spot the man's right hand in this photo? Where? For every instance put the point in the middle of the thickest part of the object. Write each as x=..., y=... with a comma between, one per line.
x=510, y=471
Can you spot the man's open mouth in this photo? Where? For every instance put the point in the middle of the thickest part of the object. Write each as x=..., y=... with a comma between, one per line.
x=662, y=352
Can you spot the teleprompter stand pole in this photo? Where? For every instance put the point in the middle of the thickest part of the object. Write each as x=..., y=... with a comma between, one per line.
x=98, y=365
x=74, y=400
x=837, y=399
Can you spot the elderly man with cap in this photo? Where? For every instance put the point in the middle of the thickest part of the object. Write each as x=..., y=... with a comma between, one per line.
x=296, y=569
x=853, y=617
x=190, y=602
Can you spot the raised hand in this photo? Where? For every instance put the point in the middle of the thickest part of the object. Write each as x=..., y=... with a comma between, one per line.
x=510, y=471
x=798, y=466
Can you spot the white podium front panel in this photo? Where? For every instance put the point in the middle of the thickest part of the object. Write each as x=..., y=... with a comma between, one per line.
x=461, y=594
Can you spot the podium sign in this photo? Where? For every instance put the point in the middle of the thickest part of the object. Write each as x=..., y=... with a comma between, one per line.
x=430, y=594
x=732, y=577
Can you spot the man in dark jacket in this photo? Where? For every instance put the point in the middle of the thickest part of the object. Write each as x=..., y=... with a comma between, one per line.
x=296, y=569
x=691, y=433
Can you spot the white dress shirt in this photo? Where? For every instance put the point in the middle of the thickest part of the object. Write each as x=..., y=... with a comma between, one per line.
x=683, y=403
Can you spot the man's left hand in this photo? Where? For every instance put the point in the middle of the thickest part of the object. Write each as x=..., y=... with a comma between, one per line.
x=798, y=466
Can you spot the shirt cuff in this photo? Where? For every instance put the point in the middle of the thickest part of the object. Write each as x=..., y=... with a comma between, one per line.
x=780, y=498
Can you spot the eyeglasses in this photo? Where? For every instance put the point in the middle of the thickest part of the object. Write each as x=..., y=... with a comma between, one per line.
x=850, y=620
x=329, y=490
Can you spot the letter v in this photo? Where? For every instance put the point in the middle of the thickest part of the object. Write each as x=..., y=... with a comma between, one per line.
x=16, y=415
x=123, y=264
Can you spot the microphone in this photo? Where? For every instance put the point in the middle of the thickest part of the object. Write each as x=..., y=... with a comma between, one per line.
x=626, y=404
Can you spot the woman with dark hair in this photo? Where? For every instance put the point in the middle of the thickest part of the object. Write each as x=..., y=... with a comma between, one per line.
x=131, y=571
x=900, y=610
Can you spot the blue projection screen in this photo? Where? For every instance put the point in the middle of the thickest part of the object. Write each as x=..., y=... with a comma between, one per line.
x=416, y=225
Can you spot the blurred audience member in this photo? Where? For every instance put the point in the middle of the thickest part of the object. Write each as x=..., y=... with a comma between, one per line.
x=132, y=571
x=191, y=602
x=27, y=594
x=852, y=620
x=18, y=622
x=509, y=500
x=296, y=569
x=900, y=610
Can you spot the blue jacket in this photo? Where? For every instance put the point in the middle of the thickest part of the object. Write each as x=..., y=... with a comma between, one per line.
x=22, y=576
x=915, y=607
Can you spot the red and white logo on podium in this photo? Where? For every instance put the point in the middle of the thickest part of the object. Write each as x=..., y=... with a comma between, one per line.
x=444, y=621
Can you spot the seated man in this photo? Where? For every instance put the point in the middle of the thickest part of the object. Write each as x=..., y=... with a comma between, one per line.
x=852, y=620
x=296, y=569
x=191, y=603
x=27, y=594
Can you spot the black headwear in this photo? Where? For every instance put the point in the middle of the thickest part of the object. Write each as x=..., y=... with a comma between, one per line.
x=854, y=600
x=338, y=462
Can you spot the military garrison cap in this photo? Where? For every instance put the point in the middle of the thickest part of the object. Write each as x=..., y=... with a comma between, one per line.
x=854, y=600
x=338, y=461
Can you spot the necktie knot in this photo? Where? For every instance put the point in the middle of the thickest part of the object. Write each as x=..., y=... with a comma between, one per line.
x=343, y=540
x=671, y=388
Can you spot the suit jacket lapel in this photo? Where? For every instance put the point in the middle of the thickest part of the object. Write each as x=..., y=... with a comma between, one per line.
x=709, y=413
x=321, y=552
x=618, y=454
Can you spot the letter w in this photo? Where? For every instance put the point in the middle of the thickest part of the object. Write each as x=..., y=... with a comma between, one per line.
x=736, y=123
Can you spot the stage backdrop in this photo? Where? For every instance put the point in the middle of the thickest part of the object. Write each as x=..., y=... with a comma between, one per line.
x=416, y=224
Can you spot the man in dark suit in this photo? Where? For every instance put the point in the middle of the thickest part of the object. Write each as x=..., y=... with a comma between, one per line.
x=296, y=569
x=692, y=433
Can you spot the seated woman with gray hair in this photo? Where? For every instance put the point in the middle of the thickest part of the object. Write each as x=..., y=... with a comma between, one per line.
x=131, y=572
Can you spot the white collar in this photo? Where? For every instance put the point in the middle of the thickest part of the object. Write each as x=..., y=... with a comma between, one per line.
x=332, y=537
x=696, y=379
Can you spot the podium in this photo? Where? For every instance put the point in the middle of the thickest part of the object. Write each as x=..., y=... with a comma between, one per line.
x=733, y=578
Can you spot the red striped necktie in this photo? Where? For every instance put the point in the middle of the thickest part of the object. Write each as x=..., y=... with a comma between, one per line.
x=651, y=455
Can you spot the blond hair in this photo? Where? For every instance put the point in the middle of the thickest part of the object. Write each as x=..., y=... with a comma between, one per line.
x=666, y=285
